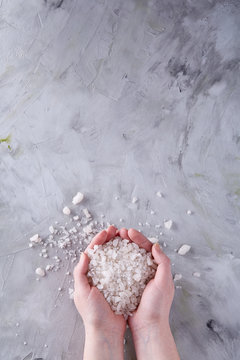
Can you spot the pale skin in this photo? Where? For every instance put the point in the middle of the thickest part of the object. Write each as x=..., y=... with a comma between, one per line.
x=104, y=330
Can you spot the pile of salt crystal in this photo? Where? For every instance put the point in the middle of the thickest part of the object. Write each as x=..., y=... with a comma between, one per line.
x=121, y=271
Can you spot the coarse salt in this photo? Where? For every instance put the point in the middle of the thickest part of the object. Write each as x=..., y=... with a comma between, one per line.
x=77, y=198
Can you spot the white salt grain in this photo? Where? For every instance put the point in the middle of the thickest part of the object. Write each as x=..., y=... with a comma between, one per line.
x=87, y=213
x=189, y=212
x=134, y=199
x=159, y=194
x=41, y=272
x=66, y=210
x=77, y=198
x=196, y=274
x=184, y=249
x=153, y=240
x=168, y=224
x=177, y=277
x=35, y=238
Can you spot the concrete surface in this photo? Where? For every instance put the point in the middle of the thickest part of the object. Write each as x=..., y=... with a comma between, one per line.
x=121, y=98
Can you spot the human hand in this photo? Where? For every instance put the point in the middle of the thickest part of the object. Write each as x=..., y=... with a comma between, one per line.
x=90, y=302
x=150, y=322
x=158, y=295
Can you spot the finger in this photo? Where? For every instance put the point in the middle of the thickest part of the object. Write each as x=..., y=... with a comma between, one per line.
x=99, y=239
x=163, y=274
x=139, y=239
x=123, y=233
x=111, y=232
x=80, y=275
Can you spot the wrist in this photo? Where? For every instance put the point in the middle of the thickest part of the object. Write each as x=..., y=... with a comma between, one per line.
x=146, y=327
x=101, y=344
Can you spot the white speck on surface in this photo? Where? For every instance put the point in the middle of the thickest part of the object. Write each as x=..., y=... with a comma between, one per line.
x=76, y=218
x=161, y=233
x=51, y=229
x=189, y=212
x=184, y=249
x=17, y=324
x=87, y=213
x=178, y=287
x=159, y=194
x=25, y=343
x=35, y=238
x=152, y=212
x=66, y=210
x=30, y=245
x=77, y=198
x=45, y=345
x=121, y=220
x=177, y=277
x=134, y=199
x=168, y=224
x=164, y=244
x=140, y=224
x=41, y=272
x=71, y=293
x=196, y=274
x=153, y=240
x=59, y=289
x=116, y=198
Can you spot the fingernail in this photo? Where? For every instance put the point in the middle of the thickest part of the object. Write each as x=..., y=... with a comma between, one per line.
x=157, y=247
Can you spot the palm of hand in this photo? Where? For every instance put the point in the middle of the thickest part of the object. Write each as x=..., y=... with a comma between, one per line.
x=99, y=312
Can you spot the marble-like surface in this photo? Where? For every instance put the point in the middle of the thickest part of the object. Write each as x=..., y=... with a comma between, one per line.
x=121, y=98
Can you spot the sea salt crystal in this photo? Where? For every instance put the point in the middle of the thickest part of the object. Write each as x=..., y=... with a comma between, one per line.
x=196, y=274
x=189, y=212
x=77, y=198
x=41, y=272
x=51, y=229
x=87, y=213
x=168, y=224
x=159, y=194
x=177, y=277
x=66, y=210
x=153, y=240
x=134, y=199
x=184, y=249
x=71, y=293
x=35, y=238
x=120, y=270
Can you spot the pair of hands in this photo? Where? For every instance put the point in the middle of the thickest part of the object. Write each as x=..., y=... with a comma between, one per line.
x=156, y=300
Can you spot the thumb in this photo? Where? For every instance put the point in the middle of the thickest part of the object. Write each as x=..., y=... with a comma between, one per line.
x=163, y=273
x=81, y=283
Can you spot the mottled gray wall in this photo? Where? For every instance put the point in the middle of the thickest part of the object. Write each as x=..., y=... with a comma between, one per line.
x=121, y=98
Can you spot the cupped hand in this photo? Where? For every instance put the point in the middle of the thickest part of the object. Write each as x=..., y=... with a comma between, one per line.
x=90, y=303
x=158, y=295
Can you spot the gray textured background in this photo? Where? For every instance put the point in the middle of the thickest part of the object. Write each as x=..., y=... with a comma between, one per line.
x=121, y=98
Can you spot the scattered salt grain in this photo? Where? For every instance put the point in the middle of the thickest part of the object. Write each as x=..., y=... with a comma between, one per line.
x=66, y=210
x=196, y=274
x=159, y=194
x=189, y=212
x=177, y=277
x=41, y=272
x=71, y=293
x=168, y=224
x=152, y=212
x=153, y=240
x=25, y=343
x=87, y=213
x=51, y=229
x=35, y=238
x=134, y=199
x=184, y=249
x=77, y=198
